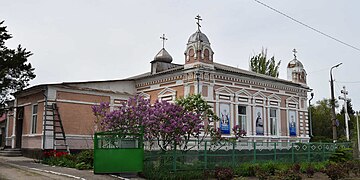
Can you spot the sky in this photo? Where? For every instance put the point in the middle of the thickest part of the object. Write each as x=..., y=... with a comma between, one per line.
x=88, y=40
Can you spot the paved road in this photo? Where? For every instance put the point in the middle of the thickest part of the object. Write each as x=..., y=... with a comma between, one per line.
x=9, y=172
x=26, y=169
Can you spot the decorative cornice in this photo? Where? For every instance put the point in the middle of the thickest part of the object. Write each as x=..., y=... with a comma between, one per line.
x=158, y=81
x=264, y=84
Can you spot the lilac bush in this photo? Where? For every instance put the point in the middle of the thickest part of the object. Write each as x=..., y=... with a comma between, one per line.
x=100, y=112
x=165, y=122
x=238, y=132
x=170, y=125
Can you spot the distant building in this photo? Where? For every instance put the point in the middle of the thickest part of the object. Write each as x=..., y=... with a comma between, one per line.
x=269, y=109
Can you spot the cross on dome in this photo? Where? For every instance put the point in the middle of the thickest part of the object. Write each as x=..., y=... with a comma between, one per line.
x=163, y=38
x=198, y=18
x=294, y=51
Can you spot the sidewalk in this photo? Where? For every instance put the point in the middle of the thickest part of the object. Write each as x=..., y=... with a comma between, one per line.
x=31, y=165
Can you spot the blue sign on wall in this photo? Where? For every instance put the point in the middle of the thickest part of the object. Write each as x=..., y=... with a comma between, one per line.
x=292, y=123
x=225, y=118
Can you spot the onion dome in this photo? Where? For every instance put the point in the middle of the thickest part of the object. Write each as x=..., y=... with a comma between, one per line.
x=163, y=56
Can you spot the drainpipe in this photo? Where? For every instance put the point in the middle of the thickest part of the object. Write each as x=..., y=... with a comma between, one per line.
x=45, y=91
x=198, y=79
x=310, y=116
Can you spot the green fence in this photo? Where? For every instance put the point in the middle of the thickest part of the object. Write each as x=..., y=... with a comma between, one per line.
x=116, y=152
x=208, y=155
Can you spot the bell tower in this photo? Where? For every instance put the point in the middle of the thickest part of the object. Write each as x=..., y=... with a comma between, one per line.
x=198, y=49
x=295, y=70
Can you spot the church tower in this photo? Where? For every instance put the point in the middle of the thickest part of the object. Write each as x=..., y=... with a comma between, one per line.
x=162, y=60
x=198, y=48
x=295, y=70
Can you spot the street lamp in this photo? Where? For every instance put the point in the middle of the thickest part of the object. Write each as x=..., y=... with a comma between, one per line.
x=310, y=118
x=333, y=117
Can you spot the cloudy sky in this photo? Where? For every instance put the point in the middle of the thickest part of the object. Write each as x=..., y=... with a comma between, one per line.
x=114, y=39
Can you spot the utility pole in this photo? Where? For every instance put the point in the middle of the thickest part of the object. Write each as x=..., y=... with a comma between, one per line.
x=358, y=132
x=346, y=100
x=332, y=101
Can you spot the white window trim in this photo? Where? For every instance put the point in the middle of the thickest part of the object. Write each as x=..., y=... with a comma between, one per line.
x=278, y=123
x=144, y=95
x=277, y=99
x=248, y=117
x=244, y=94
x=167, y=93
x=32, y=118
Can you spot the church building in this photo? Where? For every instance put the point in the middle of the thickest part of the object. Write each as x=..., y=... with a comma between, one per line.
x=269, y=109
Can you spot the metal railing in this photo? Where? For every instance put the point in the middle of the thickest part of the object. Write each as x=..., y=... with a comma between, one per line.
x=208, y=154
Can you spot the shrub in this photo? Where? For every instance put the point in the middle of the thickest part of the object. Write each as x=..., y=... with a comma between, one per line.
x=310, y=171
x=319, y=166
x=82, y=160
x=287, y=175
x=224, y=173
x=283, y=167
x=341, y=155
x=296, y=168
x=86, y=157
x=356, y=168
x=334, y=171
x=64, y=160
x=82, y=166
x=269, y=167
x=348, y=166
x=262, y=174
x=246, y=169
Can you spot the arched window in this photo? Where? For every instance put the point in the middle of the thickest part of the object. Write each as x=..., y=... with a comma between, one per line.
x=206, y=55
x=191, y=54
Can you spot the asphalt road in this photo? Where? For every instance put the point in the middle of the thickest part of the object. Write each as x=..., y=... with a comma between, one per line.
x=22, y=168
x=10, y=172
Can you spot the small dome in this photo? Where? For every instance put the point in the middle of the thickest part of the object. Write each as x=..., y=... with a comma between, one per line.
x=295, y=63
x=198, y=36
x=163, y=56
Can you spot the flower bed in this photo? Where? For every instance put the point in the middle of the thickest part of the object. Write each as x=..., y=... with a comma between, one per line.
x=82, y=160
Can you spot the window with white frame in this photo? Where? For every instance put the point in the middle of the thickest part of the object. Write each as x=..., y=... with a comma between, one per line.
x=273, y=122
x=34, y=119
x=242, y=117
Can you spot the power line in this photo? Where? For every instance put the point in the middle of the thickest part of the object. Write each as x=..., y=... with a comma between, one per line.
x=349, y=82
x=319, y=70
x=299, y=22
x=337, y=88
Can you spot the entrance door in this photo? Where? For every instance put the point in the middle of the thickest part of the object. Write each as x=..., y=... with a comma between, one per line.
x=19, y=126
x=3, y=134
